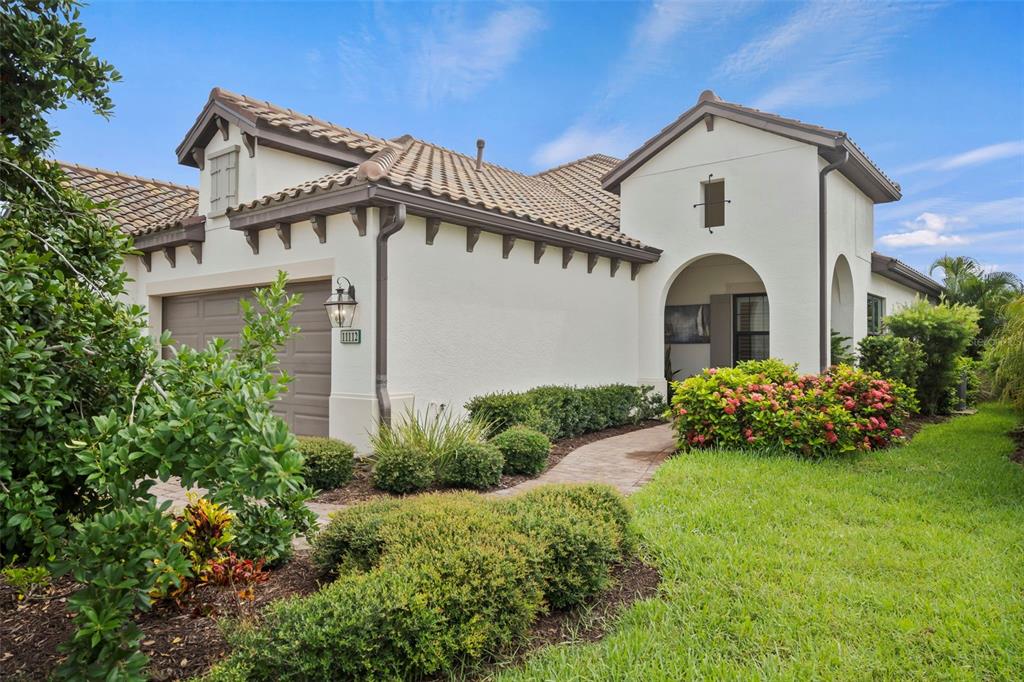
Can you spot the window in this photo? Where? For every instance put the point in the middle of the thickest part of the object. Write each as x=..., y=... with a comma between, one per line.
x=876, y=311
x=714, y=203
x=750, y=336
x=223, y=181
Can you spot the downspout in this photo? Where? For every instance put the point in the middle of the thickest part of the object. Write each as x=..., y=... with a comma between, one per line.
x=395, y=222
x=823, y=292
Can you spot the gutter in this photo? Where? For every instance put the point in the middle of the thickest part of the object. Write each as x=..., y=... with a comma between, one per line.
x=395, y=222
x=824, y=337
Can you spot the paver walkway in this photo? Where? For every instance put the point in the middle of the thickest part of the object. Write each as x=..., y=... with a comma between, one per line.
x=626, y=462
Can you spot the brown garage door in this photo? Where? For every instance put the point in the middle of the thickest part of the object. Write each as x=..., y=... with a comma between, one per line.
x=196, y=318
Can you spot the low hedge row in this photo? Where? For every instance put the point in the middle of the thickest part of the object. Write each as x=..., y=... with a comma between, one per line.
x=567, y=411
x=765, y=404
x=426, y=586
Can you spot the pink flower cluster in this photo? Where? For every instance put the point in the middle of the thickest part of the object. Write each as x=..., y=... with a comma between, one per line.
x=842, y=410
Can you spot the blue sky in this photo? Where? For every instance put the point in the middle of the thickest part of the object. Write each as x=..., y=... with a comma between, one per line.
x=933, y=92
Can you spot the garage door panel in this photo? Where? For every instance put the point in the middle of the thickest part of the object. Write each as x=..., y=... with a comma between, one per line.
x=195, y=319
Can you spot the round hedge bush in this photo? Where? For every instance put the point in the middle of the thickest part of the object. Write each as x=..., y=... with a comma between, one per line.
x=526, y=450
x=473, y=465
x=403, y=469
x=329, y=463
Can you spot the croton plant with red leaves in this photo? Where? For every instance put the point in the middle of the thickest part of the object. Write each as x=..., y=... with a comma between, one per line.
x=766, y=405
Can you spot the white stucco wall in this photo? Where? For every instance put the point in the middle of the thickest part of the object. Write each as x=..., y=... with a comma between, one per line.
x=851, y=235
x=463, y=323
x=771, y=225
x=895, y=294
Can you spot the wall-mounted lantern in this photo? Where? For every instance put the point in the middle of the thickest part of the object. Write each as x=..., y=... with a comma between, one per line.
x=341, y=306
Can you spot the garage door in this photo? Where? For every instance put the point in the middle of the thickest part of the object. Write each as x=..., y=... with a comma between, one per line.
x=196, y=318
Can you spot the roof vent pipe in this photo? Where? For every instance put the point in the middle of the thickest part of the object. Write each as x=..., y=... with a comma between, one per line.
x=480, y=153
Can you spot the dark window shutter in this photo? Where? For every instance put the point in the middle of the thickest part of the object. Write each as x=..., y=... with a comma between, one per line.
x=714, y=203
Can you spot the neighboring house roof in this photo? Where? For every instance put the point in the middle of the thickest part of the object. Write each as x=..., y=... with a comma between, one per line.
x=139, y=205
x=901, y=273
x=831, y=143
x=431, y=170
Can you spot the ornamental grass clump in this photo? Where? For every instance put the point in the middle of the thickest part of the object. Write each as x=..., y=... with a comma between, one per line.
x=842, y=410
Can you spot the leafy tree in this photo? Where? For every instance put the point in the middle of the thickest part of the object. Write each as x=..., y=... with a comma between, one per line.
x=943, y=331
x=90, y=414
x=967, y=283
x=46, y=60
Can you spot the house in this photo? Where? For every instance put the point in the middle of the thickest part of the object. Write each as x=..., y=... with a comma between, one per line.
x=730, y=234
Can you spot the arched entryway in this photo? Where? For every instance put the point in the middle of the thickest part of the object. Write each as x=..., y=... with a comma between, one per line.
x=841, y=309
x=716, y=314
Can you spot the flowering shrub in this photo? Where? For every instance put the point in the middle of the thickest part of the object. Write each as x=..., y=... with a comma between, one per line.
x=766, y=404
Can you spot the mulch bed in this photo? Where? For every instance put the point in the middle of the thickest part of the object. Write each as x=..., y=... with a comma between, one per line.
x=185, y=640
x=632, y=581
x=919, y=421
x=360, y=488
x=181, y=640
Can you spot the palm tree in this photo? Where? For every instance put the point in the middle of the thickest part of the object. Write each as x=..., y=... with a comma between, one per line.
x=966, y=282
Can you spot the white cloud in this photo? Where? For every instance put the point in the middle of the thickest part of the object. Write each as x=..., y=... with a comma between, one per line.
x=928, y=229
x=973, y=157
x=825, y=51
x=579, y=141
x=951, y=223
x=444, y=57
x=454, y=61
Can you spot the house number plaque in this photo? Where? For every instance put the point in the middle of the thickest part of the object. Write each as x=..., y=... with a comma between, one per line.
x=351, y=335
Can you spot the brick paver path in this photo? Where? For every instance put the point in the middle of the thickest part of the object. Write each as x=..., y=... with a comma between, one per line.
x=626, y=462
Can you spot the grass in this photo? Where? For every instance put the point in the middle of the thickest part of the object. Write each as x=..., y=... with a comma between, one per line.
x=904, y=564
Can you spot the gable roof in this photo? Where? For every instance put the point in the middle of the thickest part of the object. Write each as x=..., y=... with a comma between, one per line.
x=860, y=170
x=276, y=127
x=139, y=205
x=567, y=198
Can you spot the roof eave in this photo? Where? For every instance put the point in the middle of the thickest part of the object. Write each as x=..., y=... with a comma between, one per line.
x=901, y=273
x=338, y=200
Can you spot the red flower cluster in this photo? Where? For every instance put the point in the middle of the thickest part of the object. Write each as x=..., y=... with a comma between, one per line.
x=766, y=404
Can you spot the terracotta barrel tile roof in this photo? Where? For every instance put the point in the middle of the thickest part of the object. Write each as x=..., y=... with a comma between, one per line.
x=280, y=117
x=139, y=205
x=582, y=179
x=570, y=199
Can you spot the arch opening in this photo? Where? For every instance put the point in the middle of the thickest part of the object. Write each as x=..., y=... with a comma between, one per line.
x=841, y=307
x=716, y=314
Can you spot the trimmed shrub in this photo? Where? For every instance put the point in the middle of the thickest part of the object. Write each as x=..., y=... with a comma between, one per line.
x=582, y=530
x=473, y=465
x=567, y=411
x=429, y=585
x=842, y=410
x=526, y=450
x=893, y=357
x=351, y=540
x=944, y=332
x=328, y=462
x=403, y=469
x=502, y=410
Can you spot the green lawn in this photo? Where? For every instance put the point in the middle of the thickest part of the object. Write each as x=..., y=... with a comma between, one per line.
x=906, y=564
